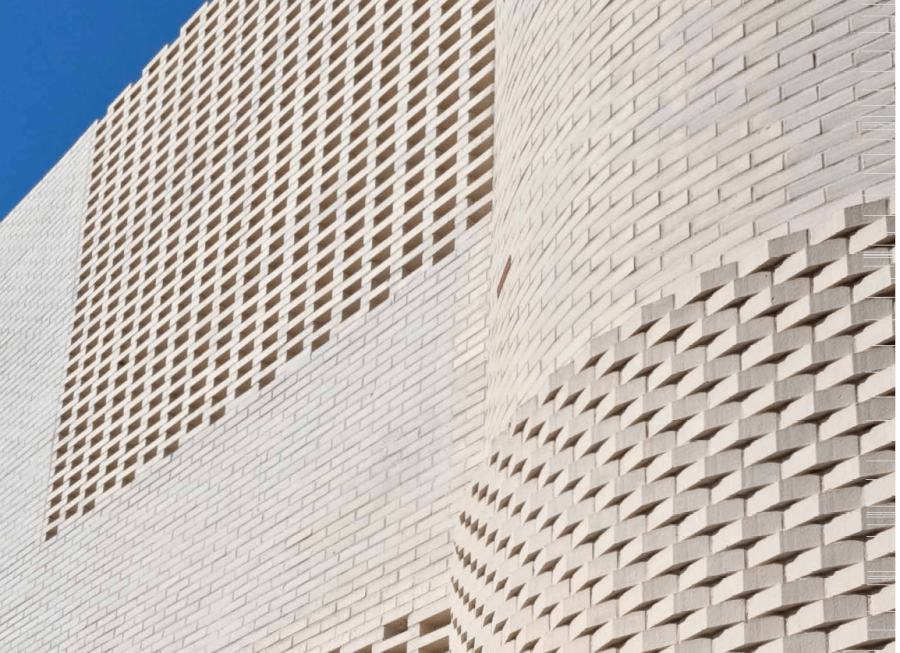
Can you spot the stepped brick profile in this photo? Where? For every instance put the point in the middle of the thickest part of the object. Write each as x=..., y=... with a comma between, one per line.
x=490, y=326
x=717, y=472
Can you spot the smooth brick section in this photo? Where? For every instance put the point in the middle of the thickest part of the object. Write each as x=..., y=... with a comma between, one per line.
x=39, y=244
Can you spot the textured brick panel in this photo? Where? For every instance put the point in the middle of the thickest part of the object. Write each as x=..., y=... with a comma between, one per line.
x=274, y=171
x=715, y=475
x=317, y=513
x=641, y=143
x=319, y=388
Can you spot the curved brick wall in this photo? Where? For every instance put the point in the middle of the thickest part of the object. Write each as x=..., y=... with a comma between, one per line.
x=343, y=346
x=716, y=474
x=640, y=143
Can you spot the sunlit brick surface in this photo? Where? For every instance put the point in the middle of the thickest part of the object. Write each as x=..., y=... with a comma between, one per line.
x=295, y=356
x=39, y=243
x=715, y=475
x=640, y=143
x=310, y=517
x=271, y=175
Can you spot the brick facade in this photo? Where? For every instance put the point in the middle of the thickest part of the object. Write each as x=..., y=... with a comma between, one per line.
x=324, y=339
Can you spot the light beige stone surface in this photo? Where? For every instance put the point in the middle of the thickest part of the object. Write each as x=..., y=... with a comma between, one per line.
x=295, y=356
x=722, y=507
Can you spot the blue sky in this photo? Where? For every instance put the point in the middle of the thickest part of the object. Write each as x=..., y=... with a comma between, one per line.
x=64, y=61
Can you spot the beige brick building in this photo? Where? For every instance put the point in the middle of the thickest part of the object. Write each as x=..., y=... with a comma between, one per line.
x=410, y=326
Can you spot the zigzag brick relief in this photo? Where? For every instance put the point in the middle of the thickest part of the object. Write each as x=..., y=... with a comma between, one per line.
x=715, y=475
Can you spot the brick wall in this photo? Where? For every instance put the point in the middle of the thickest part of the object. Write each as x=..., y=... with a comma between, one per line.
x=39, y=247
x=640, y=143
x=282, y=370
x=715, y=475
x=316, y=514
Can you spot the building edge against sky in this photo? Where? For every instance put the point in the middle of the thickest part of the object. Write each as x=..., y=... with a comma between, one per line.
x=396, y=325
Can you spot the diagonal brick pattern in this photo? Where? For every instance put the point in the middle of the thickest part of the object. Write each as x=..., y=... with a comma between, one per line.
x=321, y=346
x=715, y=475
x=275, y=170
x=641, y=143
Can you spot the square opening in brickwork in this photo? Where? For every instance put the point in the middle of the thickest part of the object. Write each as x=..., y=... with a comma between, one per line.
x=320, y=341
x=245, y=386
x=415, y=262
x=379, y=299
x=350, y=309
x=478, y=215
x=436, y=622
x=396, y=627
x=295, y=350
x=170, y=448
x=381, y=278
x=321, y=321
x=443, y=231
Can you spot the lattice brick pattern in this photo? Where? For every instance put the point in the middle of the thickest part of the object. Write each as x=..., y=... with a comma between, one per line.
x=715, y=475
x=269, y=176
